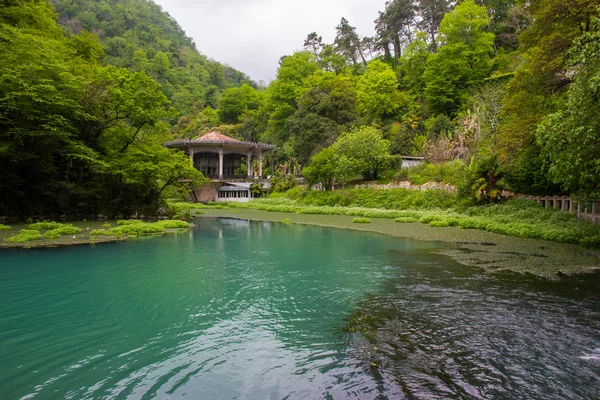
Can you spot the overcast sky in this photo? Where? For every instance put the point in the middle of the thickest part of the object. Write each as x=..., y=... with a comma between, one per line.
x=251, y=35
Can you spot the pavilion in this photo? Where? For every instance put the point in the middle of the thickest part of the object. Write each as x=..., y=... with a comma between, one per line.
x=220, y=158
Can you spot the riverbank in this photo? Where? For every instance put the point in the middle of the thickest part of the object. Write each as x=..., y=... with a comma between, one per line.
x=489, y=251
x=519, y=218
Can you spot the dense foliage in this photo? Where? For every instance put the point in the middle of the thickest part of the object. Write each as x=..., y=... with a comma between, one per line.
x=89, y=91
x=77, y=137
x=448, y=81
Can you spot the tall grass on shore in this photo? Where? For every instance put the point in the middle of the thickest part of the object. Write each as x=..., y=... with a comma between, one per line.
x=520, y=218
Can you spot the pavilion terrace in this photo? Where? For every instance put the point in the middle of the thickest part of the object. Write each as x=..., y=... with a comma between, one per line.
x=220, y=157
x=226, y=162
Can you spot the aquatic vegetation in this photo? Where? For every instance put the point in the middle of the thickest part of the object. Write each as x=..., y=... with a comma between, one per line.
x=26, y=235
x=140, y=228
x=361, y=220
x=172, y=224
x=128, y=221
x=286, y=221
x=67, y=230
x=5, y=227
x=45, y=225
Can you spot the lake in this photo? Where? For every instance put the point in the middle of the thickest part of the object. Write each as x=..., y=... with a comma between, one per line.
x=237, y=309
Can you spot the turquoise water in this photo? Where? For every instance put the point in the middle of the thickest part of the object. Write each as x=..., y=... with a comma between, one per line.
x=252, y=310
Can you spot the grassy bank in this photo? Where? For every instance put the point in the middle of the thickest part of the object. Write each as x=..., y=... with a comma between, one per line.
x=519, y=218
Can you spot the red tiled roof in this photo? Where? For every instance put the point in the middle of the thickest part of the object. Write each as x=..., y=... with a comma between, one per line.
x=216, y=137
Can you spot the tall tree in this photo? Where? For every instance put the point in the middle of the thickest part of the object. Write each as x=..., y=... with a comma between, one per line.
x=348, y=42
x=324, y=110
x=377, y=91
x=431, y=13
x=544, y=74
x=400, y=17
x=464, y=58
x=237, y=101
x=570, y=138
x=314, y=43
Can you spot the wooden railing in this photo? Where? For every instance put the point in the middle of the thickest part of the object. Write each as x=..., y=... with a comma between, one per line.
x=585, y=209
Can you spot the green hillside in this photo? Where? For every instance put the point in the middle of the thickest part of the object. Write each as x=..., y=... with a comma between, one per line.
x=140, y=36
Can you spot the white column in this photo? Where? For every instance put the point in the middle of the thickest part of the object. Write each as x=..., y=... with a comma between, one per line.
x=221, y=163
x=191, y=151
x=260, y=174
x=250, y=171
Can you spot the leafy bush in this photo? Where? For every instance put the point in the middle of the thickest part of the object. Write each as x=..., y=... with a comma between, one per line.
x=406, y=219
x=286, y=221
x=26, y=235
x=131, y=229
x=122, y=222
x=450, y=172
x=392, y=199
x=45, y=225
x=5, y=227
x=361, y=220
x=439, y=223
x=106, y=225
x=172, y=224
x=53, y=234
x=67, y=230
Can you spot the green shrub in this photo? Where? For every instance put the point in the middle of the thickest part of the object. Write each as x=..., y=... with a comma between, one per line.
x=5, y=227
x=122, y=222
x=428, y=218
x=26, y=235
x=439, y=223
x=106, y=225
x=361, y=220
x=44, y=225
x=53, y=234
x=67, y=230
x=172, y=224
x=99, y=232
x=286, y=221
x=406, y=219
x=136, y=229
x=450, y=172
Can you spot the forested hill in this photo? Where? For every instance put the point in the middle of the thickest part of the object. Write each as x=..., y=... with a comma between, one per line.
x=140, y=36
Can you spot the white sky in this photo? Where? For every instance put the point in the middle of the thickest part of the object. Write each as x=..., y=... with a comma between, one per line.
x=252, y=35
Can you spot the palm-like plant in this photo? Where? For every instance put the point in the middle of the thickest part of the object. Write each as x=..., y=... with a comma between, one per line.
x=487, y=178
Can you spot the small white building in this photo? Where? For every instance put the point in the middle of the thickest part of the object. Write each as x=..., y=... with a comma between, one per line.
x=237, y=191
